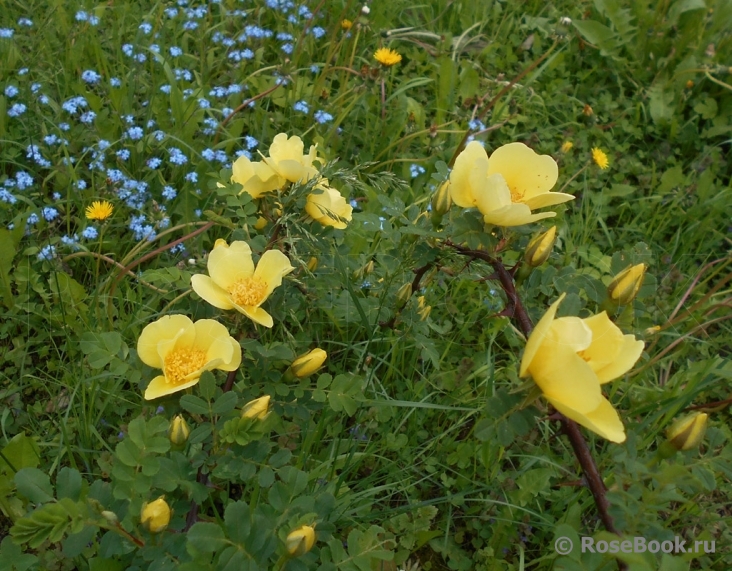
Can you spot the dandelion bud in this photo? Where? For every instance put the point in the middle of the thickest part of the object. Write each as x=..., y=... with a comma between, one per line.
x=313, y=264
x=155, y=516
x=688, y=432
x=626, y=284
x=256, y=409
x=441, y=200
x=300, y=541
x=111, y=517
x=540, y=247
x=305, y=365
x=403, y=295
x=179, y=431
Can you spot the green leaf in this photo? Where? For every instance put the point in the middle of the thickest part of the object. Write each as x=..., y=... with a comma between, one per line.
x=34, y=485
x=595, y=32
x=661, y=101
x=12, y=558
x=68, y=483
x=238, y=521
x=194, y=404
x=21, y=452
x=207, y=385
x=7, y=253
x=225, y=403
x=206, y=537
x=128, y=453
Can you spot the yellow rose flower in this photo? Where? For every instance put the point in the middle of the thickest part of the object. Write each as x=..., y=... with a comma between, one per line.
x=258, y=409
x=234, y=283
x=687, y=433
x=508, y=186
x=328, y=207
x=155, y=516
x=184, y=350
x=300, y=541
x=569, y=358
x=257, y=178
x=288, y=160
x=308, y=363
x=625, y=286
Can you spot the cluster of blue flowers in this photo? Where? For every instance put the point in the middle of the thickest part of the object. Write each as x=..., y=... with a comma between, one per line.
x=103, y=165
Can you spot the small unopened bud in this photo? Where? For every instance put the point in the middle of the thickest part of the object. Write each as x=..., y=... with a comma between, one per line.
x=256, y=409
x=423, y=309
x=688, y=432
x=300, y=541
x=111, y=517
x=441, y=199
x=540, y=248
x=565, y=21
x=179, y=431
x=260, y=223
x=305, y=365
x=403, y=295
x=624, y=287
x=155, y=516
x=365, y=10
x=368, y=268
x=313, y=264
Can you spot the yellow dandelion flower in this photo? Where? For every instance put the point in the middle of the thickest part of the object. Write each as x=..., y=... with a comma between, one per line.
x=567, y=146
x=387, y=57
x=99, y=210
x=600, y=158
x=346, y=24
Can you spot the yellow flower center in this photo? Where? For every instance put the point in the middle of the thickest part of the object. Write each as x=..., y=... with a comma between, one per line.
x=182, y=362
x=516, y=196
x=248, y=291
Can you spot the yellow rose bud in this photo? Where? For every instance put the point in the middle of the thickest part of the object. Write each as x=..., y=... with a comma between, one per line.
x=256, y=409
x=626, y=284
x=688, y=432
x=403, y=295
x=423, y=309
x=155, y=516
x=179, y=431
x=567, y=146
x=313, y=264
x=441, y=200
x=300, y=541
x=261, y=223
x=540, y=247
x=305, y=365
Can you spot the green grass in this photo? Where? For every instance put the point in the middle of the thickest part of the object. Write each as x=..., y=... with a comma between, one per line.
x=417, y=442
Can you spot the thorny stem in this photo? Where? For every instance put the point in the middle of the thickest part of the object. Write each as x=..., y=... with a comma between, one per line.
x=571, y=429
